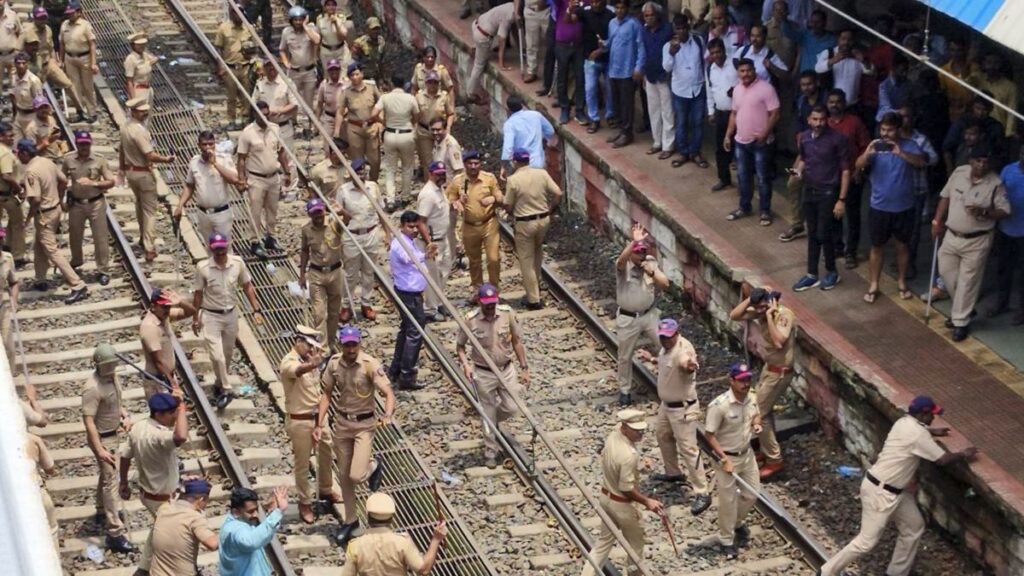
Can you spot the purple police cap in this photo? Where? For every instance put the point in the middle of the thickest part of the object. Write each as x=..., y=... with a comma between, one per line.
x=348, y=334
x=668, y=327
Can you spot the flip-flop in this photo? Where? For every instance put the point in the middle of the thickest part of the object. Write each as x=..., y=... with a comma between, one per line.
x=871, y=296
x=737, y=214
x=905, y=294
x=683, y=159
x=700, y=162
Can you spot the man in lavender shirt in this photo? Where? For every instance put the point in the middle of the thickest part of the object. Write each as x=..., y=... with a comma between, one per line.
x=409, y=282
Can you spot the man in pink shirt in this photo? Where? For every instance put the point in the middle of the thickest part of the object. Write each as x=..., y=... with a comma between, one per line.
x=755, y=110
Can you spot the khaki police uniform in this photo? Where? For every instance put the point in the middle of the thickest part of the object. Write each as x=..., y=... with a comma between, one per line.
x=10, y=39
x=151, y=445
x=177, y=532
x=450, y=152
x=328, y=176
x=530, y=193
x=46, y=132
x=775, y=378
x=968, y=240
x=433, y=206
x=382, y=552
x=228, y=40
x=352, y=401
x=536, y=19
x=27, y=87
x=219, y=313
x=261, y=147
x=10, y=203
x=883, y=496
x=102, y=401
x=75, y=42
x=301, y=398
x=355, y=107
x=41, y=181
x=136, y=143
x=419, y=73
x=366, y=234
x=155, y=337
x=7, y=279
x=620, y=460
x=44, y=65
x=301, y=51
x=480, y=199
x=495, y=335
x=323, y=277
x=432, y=107
x=138, y=70
x=210, y=192
x=332, y=43
x=400, y=110
x=371, y=54
x=490, y=26
x=732, y=423
x=637, y=318
x=679, y=414
x=88, y=204
x=35, y=450
x=277, y=95
x=327, y=102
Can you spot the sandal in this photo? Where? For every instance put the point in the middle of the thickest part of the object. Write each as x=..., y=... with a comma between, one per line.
x=665, y=155
x=737, y=214
x=651, y=150
x=871, y=296
x=766, y=219
x=905, y=293
x=683, y=159
x=700, y=161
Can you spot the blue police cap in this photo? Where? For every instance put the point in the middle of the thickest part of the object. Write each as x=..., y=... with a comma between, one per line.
x=348, y=334
x=520, y=155
x=162, y=402
x=196, y=486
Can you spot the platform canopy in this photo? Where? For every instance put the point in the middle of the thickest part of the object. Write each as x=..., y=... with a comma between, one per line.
x=1000, y=20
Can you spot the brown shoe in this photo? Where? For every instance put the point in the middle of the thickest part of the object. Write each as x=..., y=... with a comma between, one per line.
x=345, y=315
x=529, y=78
x=770, y=469
x=306, y=513
x=333, y=497
x=626, y=140
x=369, y=313
x=150, y=256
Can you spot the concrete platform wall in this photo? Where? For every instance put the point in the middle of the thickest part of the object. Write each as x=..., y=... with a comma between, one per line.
x=855, y=404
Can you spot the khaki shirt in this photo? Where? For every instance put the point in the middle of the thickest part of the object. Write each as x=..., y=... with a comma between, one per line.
x=151, y=444
x=36, y=451
x=480, y=198
x=495, y=335
x=432, y=107
x=619, y=462
x=102, y=401
x=370, y=53
x=381, y=552
x=218, y=283
x=319, y=252
x=156, y=339
x=529, y=191
x=38, y=130
x=139, y=67
x=354, y=384
x=261, y=147
x=732, y=421
x=300, y=49
x=399, y=107
x=94, y=168
x=963, y=192
x=497, y=20
x=136, y=144
x=41, y=178
x=329, y=38
x=209, y=187
x=277, y=95
x=45, y=36
x=26, y=88
x=419, y=77
x=7, y=277
x=634, y=289
x=360, y=205
x=75, y=38
x=10, y=29
x=327, y=95
x=327, y=177
x=786, y=323
x=675, y=382
x=8, y=164
x=450, y=152
x=177, y=532
x=357, y=104
x=301, y=393
x=432, y=205
x=907, y=443
x=228, y=39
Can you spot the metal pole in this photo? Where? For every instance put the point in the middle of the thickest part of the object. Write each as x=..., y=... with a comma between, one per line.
x=931, y=279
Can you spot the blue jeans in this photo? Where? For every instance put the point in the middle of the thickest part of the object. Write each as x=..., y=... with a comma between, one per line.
x=689, y=116
x=754, y=159
x=594, y=72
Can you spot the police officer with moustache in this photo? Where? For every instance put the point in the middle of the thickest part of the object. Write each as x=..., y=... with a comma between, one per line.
x=136, y=167
x=229, y=40
x=384, y=552
x=25, y=88
x=155, y=336
x=334, y=28
x=359, y=211
x=497, y=328
x=325, y=103
x=261, y=160
x=43, y=130
x=433, y=208
x=206, y=180
x=78, y=53
x=434, y=104
x=349, y=382
x=283, y=111
x=475, y=195
x=320, y=268
x=531, y=197
x=180, y=528
x=299, y=44
x=89, y=177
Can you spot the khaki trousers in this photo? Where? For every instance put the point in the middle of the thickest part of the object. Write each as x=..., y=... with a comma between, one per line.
x=439, y=268
x=15, y=225
x=480, y=240
x=81, y=78
x=53, y=74
x=107, y=499
x=631, y=333
x=47, y=252
x=425, y=150
x=236, y=103
x=209, y=223
x=769, y=387
x=536, y=24
x=734, y=502
x=352, y=449
x=481, y=54
x=962, y=267
x=676, y=430
x=325, y=292
x=529, y=237
x=305, y=83
x=143, y=185
x=301, y=434
x=363, y=143
x=398, y=148
x=358, y=270
x=264, y=195
x=627, y=519
x=51, y=515
x=343, y=54
x=878, y=506
x=153, y=506
x=496, y=400
x=219, y=333
x=21, y=122
x=288, y=139
x=96, y=214
x=6, y=333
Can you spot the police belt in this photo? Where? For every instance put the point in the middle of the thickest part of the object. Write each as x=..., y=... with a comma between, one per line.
x=76, y=54
x=88, y=200
x=214, y=210
x=882, y=485
x=331, y=47
x=398, y=130
x=220, y=311
x=271, y=175
x=302, y=68
x=156, y=497
x=325, y=268
x=968, y=235
x=308, y=416
x=737, y=454
x=480, y=223
x=109, y=433
x=284, y=123
x=634, y=314
x=438, y=239
x=680, y=403
x=366, y=230
x=485, y=367
x=50, y=209
x=532, y=217
x=329, y=113
x=138, y=168
x=354, y=417
x=7, y=52
x=357, y=122
x=778, y=369
x=142, y=85
x=615, y=497
x=26, y=111
x=476, y=24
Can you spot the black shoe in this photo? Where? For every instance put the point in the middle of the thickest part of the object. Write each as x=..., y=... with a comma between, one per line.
x=701, y=502
x=270, y=243
x=662, y=477
x=77, y=295
x=223, y=399
x=257, y=250
x=948, y=323
x=625, y=399
x=345, y=533
x=81, y=117
x=960, y=333
x=728, y=550
x=20, y=262
x=100, y=517
x=742, y=535
x=103, y=279
x=465, y=13
x=543, y=92
x=40, y=286
x=119, y=545
x=373, y=482
x=534, y=305
x=411, y=386
x=90, y=118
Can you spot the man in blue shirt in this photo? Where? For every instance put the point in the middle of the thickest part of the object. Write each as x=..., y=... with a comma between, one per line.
x=409, y=282
x=243, y=535
x=595, y=19
x=625, y=68
x=527, y=129
x=683, y=59
x=655, y=35
x=1010, y=241
x=811, y=41
x=890, y=162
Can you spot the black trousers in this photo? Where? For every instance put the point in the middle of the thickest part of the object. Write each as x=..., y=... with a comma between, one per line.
x=623, y=103
x=549, y=58
x=409, y=340
x=818, y=217
x=261, y=9
x=1010, y=268
x=853, y=218
x=722, y=158
x=570, y=59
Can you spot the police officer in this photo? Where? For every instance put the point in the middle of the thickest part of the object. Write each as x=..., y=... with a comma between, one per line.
x=400, y=112
x=11, y=195
x=620, y=460
x=530, y=198
x=497, y=328
x=428, y=63
x=355, y=115
x=384, y=552
x=433, y=208
x=89, y=177
x=38, y=44
x=152, y=443
x=180, y=528
x=8, y=299
x=44, y=186
x=10, y=37
x=777, y=326
x=320, y=267
x=369, y=49
x=299, y=43
x=136, y=160
x=328, y=174
x=283, y=109
x=637, y=279
x=78, y=53
x=434, y=103
x=217, y=278
x=104, y=417
x=43, y=130
x=299, y=371
x=36, y=452
x=445, y=148
x=334, y=28
x=26, y=87
x=261, y=160
x=325, y=104
x=349, y=382
x=884, y=494
x=972, y=201
x=359, y=212
x=475, y=196
x=732, y=418
x=138, y=66
x=229, y=39
x=155, y=336
x=206, y=180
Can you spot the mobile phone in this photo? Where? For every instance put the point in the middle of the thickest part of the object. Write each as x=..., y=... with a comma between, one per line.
x=791, y=171
x=883, y=146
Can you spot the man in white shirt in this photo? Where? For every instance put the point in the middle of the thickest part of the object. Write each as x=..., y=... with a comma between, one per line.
x=847, y=64
x=721, y=79
x=683, y=59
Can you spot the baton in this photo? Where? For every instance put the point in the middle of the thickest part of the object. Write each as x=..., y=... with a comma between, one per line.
x=437, y=503
x=668, y=529
x=147, y=375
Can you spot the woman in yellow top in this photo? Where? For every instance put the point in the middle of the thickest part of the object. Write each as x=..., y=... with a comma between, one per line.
x=428, y=61
x=138, y=67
